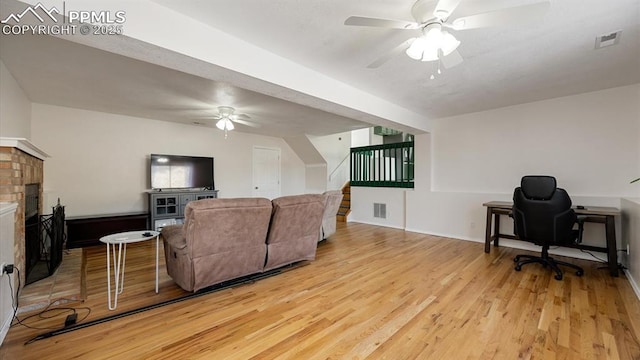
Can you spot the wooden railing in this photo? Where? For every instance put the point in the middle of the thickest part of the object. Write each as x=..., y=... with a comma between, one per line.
x=387, y=165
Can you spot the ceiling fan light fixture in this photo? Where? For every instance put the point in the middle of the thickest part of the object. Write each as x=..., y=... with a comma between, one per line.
x=225, y=111
x=417, y=48
x=225, y=124
x=430, y=53
x=433, y=44
x=448, y=43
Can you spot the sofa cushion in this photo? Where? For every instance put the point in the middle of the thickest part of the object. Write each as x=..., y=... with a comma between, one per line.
x=293, y=232
x=333, y=198
x=221, y=239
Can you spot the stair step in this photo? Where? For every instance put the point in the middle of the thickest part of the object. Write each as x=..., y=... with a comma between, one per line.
x=345, y=204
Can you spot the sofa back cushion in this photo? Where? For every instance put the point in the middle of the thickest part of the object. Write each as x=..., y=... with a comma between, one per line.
x=220, y=225
x=333, y=198
x=293, y=233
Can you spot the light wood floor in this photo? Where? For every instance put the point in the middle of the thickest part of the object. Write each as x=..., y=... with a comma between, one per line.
x=372, y=292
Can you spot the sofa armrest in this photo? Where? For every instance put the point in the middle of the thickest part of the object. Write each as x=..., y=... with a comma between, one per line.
x=173, y=235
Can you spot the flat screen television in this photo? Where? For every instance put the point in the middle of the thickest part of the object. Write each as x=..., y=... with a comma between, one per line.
x=181, y=172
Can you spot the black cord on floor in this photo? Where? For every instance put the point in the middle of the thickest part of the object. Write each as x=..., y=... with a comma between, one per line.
x=225, y=285
x=49, y=313
x=14, y=298
x=595, y=257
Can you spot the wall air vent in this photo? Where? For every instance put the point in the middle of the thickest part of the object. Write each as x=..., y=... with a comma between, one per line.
x=608, y=39
x=380, y=210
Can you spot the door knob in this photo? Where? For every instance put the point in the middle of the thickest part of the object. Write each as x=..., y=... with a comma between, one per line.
x=256, y=188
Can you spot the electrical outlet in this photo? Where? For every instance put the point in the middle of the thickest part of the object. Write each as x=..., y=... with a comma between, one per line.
x=6, y=268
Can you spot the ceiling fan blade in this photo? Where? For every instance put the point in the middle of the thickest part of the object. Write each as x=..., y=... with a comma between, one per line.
x=445, y=8
x=451, y=60
x=504, y=17
x=383, y=23
x=392, y=53
x=247, y=123
x=242, y=116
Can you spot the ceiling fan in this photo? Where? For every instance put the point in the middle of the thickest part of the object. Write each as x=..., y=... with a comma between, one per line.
x=226, y=118
x=433, y=17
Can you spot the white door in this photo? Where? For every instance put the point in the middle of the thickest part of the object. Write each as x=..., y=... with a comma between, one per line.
x=266, y=172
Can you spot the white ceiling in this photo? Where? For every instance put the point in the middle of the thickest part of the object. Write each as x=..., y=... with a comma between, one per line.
x=60, y=72
x=503, y=66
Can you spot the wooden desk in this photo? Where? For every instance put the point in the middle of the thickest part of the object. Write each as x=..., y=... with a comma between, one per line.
x=594, y=214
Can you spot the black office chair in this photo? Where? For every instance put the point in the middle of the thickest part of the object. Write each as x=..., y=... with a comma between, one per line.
x=542, y=215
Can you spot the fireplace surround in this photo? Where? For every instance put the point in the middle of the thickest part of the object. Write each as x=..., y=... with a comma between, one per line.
x=21, y=163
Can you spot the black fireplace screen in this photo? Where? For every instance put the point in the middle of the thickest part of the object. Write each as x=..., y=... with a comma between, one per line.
x=45, y=239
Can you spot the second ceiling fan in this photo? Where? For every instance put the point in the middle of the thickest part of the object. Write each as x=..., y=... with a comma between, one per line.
x=227, y=117
x=433, y=19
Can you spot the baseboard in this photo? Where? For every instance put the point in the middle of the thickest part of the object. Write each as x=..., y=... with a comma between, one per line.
x=633, y=282
x=521, y=245
x=8, y=317
x=455, y=237
x=376, y=224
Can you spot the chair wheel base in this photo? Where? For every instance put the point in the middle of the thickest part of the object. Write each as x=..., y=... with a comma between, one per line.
x=547, y=262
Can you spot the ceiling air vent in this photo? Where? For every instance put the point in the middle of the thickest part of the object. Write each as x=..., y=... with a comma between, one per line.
x=608, y=39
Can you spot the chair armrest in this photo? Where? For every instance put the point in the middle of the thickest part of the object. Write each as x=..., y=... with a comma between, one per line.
x=173, y=235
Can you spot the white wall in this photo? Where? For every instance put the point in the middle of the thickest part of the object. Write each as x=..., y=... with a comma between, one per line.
x=480, y=157
x=15, y=107
x=99, y=161
x=360, y=137
x=589, y=142
x=315, y=178
x=631, y=237
x=365, y=137
x=15, y=121
x=334, y=149
x=7, y=230
x=592, y=149
x=363, y=198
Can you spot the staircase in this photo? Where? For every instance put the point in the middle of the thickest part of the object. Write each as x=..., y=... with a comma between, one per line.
x=345, y=205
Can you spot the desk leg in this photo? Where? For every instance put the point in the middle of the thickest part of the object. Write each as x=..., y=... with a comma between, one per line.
x=487, y=235
x=496, y=236
x=612, y=247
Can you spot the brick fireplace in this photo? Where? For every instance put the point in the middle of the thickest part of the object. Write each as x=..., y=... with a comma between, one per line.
x=21, y=164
